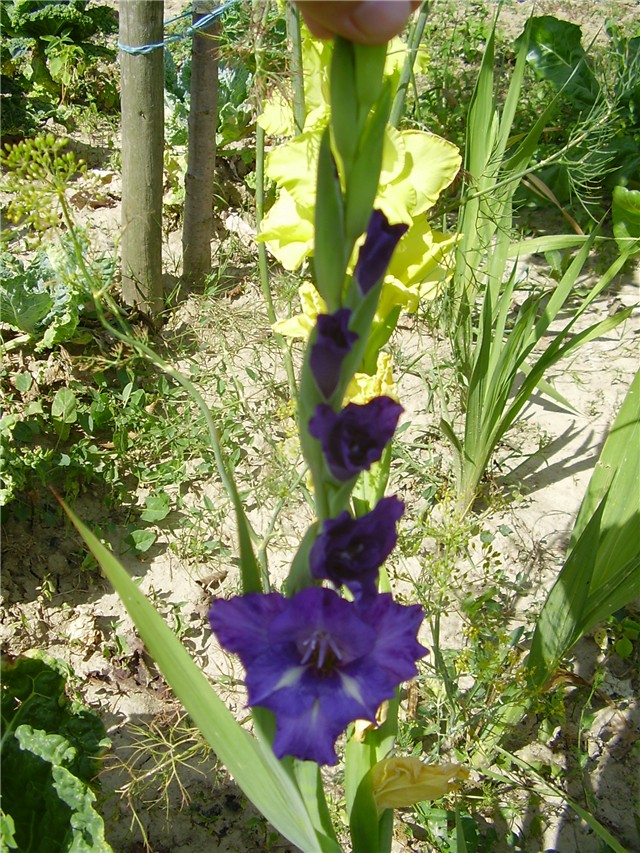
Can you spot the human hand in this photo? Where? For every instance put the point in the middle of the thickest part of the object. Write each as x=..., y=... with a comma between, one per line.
x=362, y=21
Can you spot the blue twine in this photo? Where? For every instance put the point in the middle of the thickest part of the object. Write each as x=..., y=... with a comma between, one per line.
x=189, y=31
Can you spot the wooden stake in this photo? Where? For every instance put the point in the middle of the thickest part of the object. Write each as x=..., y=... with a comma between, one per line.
x=142, y=101
x=197, y=229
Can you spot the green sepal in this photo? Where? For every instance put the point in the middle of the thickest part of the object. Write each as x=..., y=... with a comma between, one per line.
x=299, y=574
x=380, y=334
x=344, y=118
x=362, y=182
x=369, y=62
x=330, y=255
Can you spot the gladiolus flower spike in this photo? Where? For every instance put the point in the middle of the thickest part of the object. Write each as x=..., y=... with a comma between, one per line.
x=319, y=662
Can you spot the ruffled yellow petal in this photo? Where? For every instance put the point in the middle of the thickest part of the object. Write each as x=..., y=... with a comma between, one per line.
x=364, y=387
x=401, y=782
x=288, y=230
x=300, y=325
x=276, y=118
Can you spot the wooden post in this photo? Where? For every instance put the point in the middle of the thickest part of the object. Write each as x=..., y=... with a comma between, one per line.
x=142, y=100
x=197, y=229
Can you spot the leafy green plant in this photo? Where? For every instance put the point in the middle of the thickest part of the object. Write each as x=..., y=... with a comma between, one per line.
x=490, y=347
x=46, y=298
x=606, y=112
x=602, y=571
x=50, y=751
x=51, y=51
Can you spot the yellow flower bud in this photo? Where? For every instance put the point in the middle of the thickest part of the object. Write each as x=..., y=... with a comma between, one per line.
x=400, y=782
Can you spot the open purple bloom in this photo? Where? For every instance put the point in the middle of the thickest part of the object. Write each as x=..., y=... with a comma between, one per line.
x=318, y=662
x=377, y=249
x=333, y=343
x=350, y=551
x=355, y=437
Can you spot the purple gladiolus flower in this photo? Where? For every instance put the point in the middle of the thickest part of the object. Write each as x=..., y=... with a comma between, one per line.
x=350, y=551
x=355, y=437
x=376, y=251
x=333, y=343
x=318, y=662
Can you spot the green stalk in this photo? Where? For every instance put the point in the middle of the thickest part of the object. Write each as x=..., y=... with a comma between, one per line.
x=263, y=266
x=415, y=37
x=295, y=67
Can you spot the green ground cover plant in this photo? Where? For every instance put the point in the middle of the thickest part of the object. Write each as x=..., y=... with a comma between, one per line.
x=49, y=55
x=50, y=750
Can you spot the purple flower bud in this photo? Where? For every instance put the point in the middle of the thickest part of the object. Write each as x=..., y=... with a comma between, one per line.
x=333, y=343
x=354, y=438
x=350, y=551
x=318, y=662
x=377, y=250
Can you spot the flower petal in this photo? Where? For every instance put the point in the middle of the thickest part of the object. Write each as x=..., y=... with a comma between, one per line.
x=401, y=782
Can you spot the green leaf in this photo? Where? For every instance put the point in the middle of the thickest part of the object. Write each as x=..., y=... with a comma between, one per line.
x=7, y=831
x=65, y=406
x=46, y=738
x=23, y=382
x=157, y=507
x=602, y=571
x=142, y=540
x=626, y=220
x=556, y=54
x=250, y=761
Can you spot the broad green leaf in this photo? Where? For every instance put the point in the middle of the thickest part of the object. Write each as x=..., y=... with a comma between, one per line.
x=156, y=507
x=65, y=406
x=44, y=738
x=23, y=381
x=7, y=831
x=23, y=310
x=556, y=54
x=250, y=761
x=142, y=540
x=87, y=827
x=602, y=571
x=626, y=219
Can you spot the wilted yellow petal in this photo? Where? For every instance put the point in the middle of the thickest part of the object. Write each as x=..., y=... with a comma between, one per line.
x=298, y=326
x=316, y=59
x=293, y=166
x=311, y=302
x=401, y=782
x=364, y=387
x=361, y=727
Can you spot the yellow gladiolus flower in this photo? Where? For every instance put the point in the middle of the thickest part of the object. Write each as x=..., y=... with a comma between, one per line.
x=300, y=325
x=363, y=387
x=401, y=782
